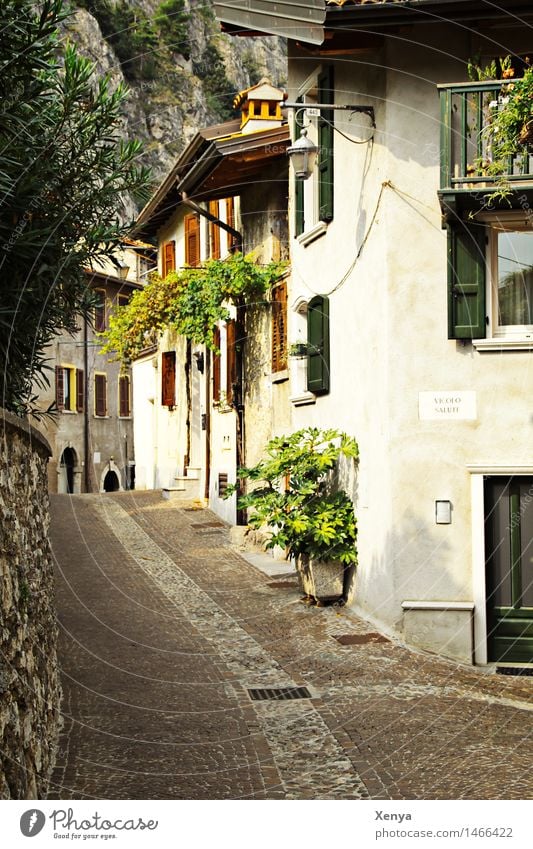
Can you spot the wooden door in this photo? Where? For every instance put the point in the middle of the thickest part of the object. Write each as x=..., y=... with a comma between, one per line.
x=509, y=568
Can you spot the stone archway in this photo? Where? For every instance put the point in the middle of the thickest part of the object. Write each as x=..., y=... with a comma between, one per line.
x=111, y=478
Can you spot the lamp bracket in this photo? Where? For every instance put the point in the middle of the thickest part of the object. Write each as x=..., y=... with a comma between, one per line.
x=302, y=107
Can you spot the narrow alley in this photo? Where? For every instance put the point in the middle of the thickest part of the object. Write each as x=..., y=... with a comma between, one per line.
x=165, y=630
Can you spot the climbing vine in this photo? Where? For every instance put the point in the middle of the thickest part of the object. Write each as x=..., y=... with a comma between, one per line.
x=190, y=301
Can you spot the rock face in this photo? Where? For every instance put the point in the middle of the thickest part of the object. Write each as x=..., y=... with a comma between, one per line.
x=29, y=685
x=179, y=81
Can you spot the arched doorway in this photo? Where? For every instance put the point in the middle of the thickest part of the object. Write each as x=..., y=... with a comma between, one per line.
x=67, y=467
x=111, y=482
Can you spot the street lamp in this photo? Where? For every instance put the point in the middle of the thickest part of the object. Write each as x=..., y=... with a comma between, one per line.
x=303, y=155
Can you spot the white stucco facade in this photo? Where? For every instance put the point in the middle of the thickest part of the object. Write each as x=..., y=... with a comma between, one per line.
x=382, y=261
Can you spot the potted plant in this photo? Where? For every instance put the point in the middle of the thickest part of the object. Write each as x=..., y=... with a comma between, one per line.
x=296, y=496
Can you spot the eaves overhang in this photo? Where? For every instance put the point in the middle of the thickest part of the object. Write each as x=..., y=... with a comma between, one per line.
x=318, y=21
x=221, y=168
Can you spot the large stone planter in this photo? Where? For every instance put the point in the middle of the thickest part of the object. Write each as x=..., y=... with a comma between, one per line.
x=321, y=579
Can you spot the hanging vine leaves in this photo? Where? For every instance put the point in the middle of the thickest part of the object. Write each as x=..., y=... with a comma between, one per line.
x=190, y=301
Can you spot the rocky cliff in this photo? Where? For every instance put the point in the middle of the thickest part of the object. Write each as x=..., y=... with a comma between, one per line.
x=181, y=70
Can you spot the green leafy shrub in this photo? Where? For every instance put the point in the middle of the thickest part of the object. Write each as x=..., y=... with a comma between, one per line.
x=294, y=494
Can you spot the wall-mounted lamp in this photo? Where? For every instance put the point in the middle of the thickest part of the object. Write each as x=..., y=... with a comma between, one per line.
x=199, y=357
x=303, y=152
x=303, y=155
x=443, y=512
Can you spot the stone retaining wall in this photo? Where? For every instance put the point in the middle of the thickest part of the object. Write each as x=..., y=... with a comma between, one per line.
x=29, y=683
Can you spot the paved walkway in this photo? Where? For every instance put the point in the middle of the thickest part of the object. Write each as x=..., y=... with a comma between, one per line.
x=164, y=629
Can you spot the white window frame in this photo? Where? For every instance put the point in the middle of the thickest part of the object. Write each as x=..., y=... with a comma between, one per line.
x=502, y=337
x=313, y=226
x=300, y=395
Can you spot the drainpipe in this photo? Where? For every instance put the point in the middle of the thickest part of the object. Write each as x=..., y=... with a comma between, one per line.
x=87, y=477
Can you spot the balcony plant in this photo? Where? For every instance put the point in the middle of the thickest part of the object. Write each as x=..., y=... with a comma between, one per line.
x=296, y=496
x=509, y=128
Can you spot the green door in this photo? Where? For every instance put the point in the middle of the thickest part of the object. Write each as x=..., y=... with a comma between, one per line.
x=509, y=564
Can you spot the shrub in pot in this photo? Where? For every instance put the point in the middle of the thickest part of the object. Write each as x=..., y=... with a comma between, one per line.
x=293, y=493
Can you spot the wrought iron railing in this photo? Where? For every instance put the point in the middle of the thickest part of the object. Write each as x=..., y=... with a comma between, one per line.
x=467, y=112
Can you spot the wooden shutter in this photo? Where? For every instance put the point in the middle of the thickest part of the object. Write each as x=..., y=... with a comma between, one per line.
x=299, y=222
x=230, y=220
x=99, y=311
x=80, y=390
x=466, y=281
x=325, y=142
x=279, y=327
x=168, y=379
x=231, y=360
x=216, y=365
x=214, y=232
x=318, y=341
x=192, y=240
x=124, y=395
x=100, y=395
x=60, y=392
x=169, y=257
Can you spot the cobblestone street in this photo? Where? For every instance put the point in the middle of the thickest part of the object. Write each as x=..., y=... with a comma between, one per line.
x=163, y=630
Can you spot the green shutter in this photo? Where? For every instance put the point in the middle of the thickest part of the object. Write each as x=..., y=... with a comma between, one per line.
x=325, y=142
x=466, y=281
x=298, y=189
x=318, y=341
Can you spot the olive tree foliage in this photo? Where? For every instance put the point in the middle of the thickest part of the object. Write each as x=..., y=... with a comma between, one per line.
x=64, y=172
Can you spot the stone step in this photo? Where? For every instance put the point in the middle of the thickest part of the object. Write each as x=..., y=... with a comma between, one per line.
x=193, y=472
x=170, y=493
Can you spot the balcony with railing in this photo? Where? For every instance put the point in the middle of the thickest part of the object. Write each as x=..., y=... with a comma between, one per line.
x=468, y=111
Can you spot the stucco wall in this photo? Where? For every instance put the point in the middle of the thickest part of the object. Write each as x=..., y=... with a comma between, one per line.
x=388, y=331
x=29, y=684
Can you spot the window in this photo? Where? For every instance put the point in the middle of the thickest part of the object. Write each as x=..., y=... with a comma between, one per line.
x=318, y=345
x=124, y=401
x=70, y=392
x=192, y=240
x=100, y=395
x=279, y=327
x=99, y=311
x=214, y=232
x=169, y=258
x=314, y=197
x=490, y=281
x=123, y=300
x=168, y=379
x=512, y=281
